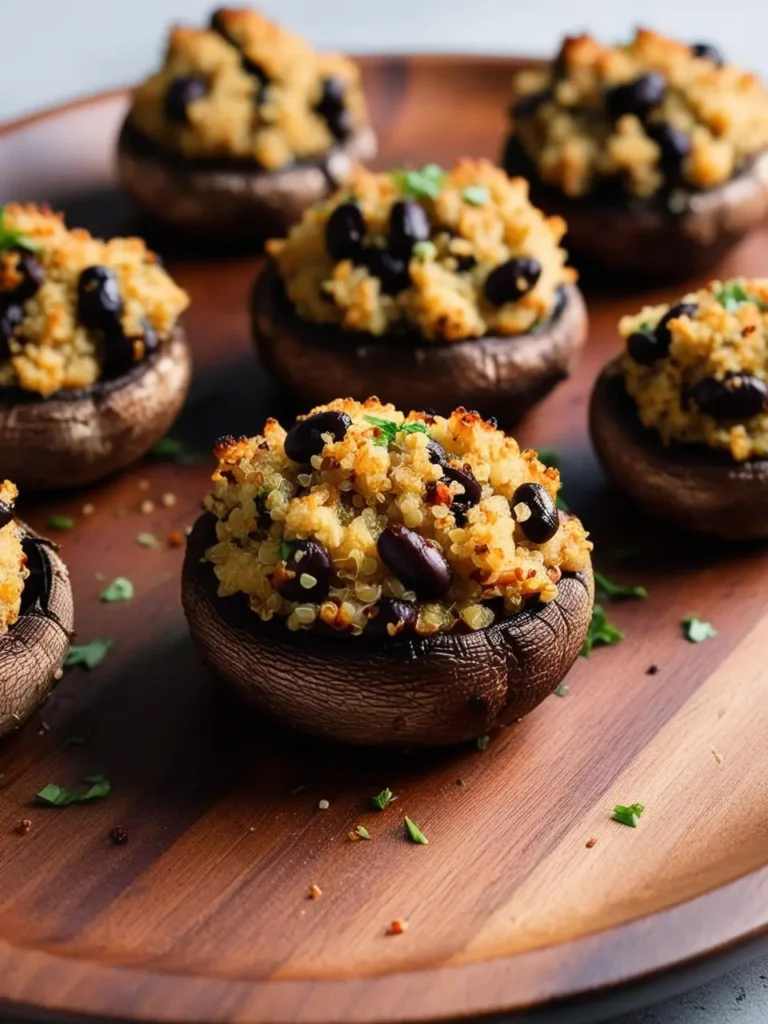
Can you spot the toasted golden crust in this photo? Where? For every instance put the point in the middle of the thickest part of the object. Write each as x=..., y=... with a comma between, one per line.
x=13, y=570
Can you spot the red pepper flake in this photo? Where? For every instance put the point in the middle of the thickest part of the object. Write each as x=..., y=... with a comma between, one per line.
x=315, y=892
x=24, y=827
x=397, y=927
x=591, y=842
x=175, y=539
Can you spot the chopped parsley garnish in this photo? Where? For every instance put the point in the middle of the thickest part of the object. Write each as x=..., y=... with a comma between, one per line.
x=476, y=195
x=89, y=655
x=386, y=796
x=600, y=632
x=424, y=250
x=285, y=551
x=696, y=629
x=615, y=591
x=147, y=540
x=424, y=184
x=628, y=815
x=58, y=796
x=389, y=430
x=549, y=457
x=482, y=742
x=120, y=589
x=733, y=296
x=417, y=836
x=363, y=832
x=561, y=690
x=60, y=523
x=561, y=503
x=172, y=449
x=10, y=239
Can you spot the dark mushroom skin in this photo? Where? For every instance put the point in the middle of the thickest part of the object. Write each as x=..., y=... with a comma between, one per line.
x=231, y=200
x=693, y=486
x=75, y=437
x=499, y=376
x=34, y=648
x=665, y=239
x=372, y=690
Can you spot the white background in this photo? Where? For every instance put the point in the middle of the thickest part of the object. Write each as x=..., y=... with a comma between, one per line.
x=55, y=50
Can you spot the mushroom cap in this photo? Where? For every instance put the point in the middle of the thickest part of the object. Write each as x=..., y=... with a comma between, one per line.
x=499, y=376
x=693, y=486
x=402, y=691
x=34, y=648
x=77, y=436
x=231, y=200
x=645, y=237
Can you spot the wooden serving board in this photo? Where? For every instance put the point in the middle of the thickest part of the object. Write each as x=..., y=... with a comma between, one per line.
x=204, y=914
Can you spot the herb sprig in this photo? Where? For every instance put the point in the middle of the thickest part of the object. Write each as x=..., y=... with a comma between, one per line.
x=697, y=630
x=628, y=815
x=617, y=591
x=600, y=632
x=10, y=239
x=415, y=833
x=59, y=796
x=120, y=589
x=476, y=195
x=382, y=799
x=389, y=430
x=424, y=184
x=88, y=655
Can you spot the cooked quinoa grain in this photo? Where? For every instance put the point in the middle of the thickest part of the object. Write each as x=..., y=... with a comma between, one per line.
x=698, y=370
x=244, y=88
x=650, y=115
x=365, y=520
x=450, y=254
x=13, y=561
x=73, y=308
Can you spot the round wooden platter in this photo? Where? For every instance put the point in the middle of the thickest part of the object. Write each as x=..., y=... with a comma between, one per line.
x=204, y=915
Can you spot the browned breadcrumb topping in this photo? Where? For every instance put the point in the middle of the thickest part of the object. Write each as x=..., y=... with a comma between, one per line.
x=246, y=88
x=594, y=116
x=13, y=562
x=49, y=336
x=310, y=541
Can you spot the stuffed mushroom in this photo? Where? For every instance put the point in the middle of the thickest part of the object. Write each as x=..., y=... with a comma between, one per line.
x=36, y=616
x=94, y=366
x=380, y=578
x=435, y=288
x=241, y=129
x=680, y=420
x=653, y=151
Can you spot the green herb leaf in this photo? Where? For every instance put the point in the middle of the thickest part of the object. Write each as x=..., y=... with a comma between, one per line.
x=482, y=742
x=561, y=503
x=549, y=457
x=60, y=523
x=615, y=591
x=58, y=796
x=413, y=428
x=172, y=449
x=147, y=540
x=389, y=429
x=90, y=655
x=696, y=630
x=415, y=832
x=628, y=815
x=561, y=690
x=424, y=250
x=363, y=832
x=732, y=296
x=120, y=589
x=476, y=195
x=424, y=184
x=285, y=551
x=386, y=796
x=600, y=632
x=10, y=239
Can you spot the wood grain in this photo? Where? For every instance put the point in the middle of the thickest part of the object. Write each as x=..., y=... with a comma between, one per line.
x=204, y=915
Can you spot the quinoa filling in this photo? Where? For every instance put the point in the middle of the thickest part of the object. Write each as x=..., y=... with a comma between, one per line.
x=75, y=309
x=449, y=254
x=245, y=88
x=367, y=521
x=698, y=370
x=13, y=561
x=639, y=119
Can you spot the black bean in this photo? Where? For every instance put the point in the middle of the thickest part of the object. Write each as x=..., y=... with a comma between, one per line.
x=526, y=106
x=644, y=348
x=401, y=615
x=674, y=144
x=663, y=333
x=10, y=317
x=740, y=396
x=99, y=303
x=391, y=271
x=181, y=93
x=119, y=354
x=32, y=276
x=408, y=224
x=305, y=439
x=638, y=97
x=544, y=520
x=345, y=231
x=513, y=279
x=415, y=561
x=333, y=109
x=437, y=453
x=307, y=558
x=708, y=51
x=464, y=262
x=473, y=492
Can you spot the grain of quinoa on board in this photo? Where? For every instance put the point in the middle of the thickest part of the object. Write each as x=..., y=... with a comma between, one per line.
x=698, y=369
x=13, y=567
x=73, y=308
x=244, y=88
x=366, y=520
x=649, y=115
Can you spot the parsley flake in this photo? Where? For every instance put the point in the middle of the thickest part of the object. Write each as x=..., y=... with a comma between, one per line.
x=476, y=195
x=561, y=690
x=147, y=540
x=696, y=630
x=10, y=239
x=386, y=796
x=363, y=832
x=89, y=655
x=600, y=632
x=285, y=551
x=561, y=503
x=628, y=815
x=60, y=523
x=425, y=250
x=58, y=796
x=120, y=589
x=389, y=430
x=732, y=296
x=549, y=457
x=424, y=184
x=172, y=449
x=482, y=742
x=417, y=836
x=615, y=591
